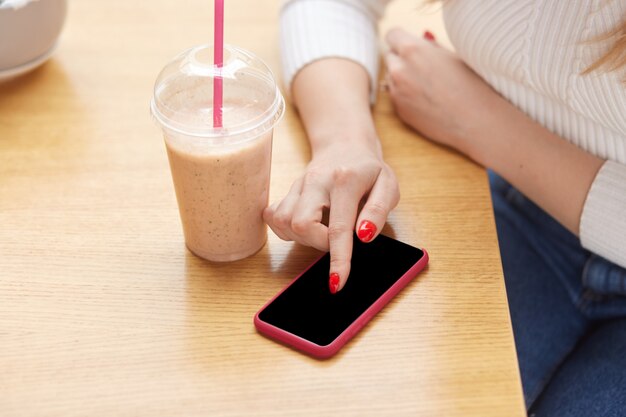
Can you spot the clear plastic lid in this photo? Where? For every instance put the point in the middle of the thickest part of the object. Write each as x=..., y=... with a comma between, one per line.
x=183, y=94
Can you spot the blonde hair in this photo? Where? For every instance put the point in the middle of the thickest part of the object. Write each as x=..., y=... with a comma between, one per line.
x=615, y=57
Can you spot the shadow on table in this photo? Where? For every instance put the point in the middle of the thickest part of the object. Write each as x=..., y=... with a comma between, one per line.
x=30, y=81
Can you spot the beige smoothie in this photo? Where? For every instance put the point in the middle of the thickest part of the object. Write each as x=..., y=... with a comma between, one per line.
x=221, y=172
x=221, y=193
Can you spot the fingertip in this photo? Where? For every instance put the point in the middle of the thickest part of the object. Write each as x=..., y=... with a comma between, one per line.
x=333, y=282
x=337, y=280
x=338, y=275
x=339, y=271
x=366, y=231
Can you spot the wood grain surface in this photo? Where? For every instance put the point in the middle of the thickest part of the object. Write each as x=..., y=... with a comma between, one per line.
x=103, y=312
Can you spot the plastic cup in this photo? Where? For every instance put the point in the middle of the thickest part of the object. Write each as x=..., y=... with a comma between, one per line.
x=221, y=175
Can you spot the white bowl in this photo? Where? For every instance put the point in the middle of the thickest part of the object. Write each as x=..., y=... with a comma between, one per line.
x=29, y=30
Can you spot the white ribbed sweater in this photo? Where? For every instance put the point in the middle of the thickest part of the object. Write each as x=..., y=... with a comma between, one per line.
x=532, y=52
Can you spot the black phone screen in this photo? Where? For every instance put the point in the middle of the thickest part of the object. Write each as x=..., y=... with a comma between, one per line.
x=308, y=309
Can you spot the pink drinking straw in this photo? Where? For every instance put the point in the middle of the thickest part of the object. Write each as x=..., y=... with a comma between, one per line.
x=218, y=61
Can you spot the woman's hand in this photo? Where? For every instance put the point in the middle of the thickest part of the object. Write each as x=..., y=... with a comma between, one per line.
x=338, y=177
x=434, y=92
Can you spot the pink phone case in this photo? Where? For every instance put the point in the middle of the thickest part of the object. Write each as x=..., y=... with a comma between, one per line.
x=329, y=350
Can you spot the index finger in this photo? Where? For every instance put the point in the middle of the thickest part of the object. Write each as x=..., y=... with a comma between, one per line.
x=343, y=211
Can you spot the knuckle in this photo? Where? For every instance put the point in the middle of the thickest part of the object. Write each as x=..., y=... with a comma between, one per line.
x=393, y=32
x=409, y=49
x=337, y=229
x=394, y=72
x=398, y=76
x=282, y=220
x=394, y=179
x=312, y=176
x=395, y=188
x=300, y=226
x=378, y=208
x=344, y=175
x=396, y=197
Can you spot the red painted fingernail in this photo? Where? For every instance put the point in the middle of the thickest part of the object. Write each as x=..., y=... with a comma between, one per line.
x=428, y=35
x=366, y=231
x=333, y=282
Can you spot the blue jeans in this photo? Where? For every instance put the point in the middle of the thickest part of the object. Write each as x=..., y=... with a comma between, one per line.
x=568, y=309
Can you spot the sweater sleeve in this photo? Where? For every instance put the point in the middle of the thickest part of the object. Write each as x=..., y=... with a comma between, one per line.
x=603, y=221
x=315, y=29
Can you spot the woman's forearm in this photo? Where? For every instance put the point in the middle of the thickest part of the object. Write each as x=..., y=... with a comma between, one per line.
x=554, y=173
x=332, y=96
x=346, y=168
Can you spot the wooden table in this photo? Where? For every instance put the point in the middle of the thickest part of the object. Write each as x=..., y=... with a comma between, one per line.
x=103, y=312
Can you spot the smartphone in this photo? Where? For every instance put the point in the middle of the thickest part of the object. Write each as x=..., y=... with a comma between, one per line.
x=306, y=316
